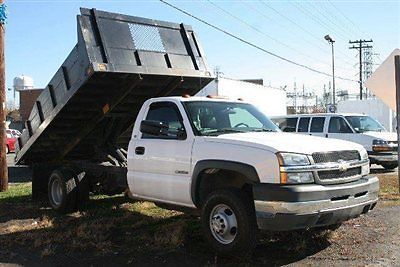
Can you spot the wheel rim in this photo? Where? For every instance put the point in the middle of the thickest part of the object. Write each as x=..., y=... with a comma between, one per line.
x=56, y=192
x=223, y=224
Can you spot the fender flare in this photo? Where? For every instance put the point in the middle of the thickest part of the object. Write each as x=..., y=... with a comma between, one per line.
x=242, y=168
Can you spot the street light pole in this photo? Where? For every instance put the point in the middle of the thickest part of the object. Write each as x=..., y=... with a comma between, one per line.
x=331, y=41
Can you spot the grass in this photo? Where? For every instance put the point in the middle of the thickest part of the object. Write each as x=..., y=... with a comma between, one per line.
x=137, y=231
x=389, y=187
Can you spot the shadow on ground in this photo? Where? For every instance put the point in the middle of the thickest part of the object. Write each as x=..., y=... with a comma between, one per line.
x=118, y=231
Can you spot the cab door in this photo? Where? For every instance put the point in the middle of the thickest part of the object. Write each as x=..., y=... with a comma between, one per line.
x=338, y=128
x=160, y=166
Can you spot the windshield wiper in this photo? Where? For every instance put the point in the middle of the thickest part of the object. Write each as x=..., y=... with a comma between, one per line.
x=224, y=131
x=263, y=130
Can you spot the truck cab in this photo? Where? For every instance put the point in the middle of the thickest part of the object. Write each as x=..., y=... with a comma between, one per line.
x=359, y=128
x=228, y=159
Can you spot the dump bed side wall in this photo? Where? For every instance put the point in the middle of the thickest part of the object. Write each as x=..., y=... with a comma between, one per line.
x=118, y=63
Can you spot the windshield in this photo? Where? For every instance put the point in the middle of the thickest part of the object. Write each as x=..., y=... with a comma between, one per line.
x=215, y=118
x=364, y=124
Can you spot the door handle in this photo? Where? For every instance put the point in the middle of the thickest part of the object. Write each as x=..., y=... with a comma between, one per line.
x=139, y=150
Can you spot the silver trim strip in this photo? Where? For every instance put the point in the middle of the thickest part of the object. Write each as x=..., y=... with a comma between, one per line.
x=330, y=166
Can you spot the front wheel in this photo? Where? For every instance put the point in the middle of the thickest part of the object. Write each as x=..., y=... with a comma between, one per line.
x=229, y=223
x=390, y=166
x=7, y=150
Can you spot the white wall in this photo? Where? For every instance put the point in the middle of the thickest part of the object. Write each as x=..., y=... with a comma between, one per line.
x=270, y=101
x=372, y=107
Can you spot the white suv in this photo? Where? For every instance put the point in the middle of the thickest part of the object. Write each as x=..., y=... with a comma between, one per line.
x=362, y=129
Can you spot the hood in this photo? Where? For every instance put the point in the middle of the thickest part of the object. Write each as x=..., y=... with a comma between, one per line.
x=285, y=142
x=388, y=136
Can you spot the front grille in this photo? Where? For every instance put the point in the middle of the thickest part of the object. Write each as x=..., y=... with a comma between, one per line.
x=335, y=156
x=337, y=174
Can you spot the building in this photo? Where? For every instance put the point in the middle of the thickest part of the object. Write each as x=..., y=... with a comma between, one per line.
x=270, y=101
x=375, y=108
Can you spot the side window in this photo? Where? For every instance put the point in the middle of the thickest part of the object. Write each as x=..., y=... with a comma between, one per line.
x=303, y=125
x=167, y=113
x=286, y=124
x=289, y=125
x=317, y=125
x=338, y=125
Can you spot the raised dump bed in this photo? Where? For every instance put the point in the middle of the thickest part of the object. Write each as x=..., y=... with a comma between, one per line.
x=91, y=103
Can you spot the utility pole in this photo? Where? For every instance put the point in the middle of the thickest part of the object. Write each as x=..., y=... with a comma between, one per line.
x=397, y=85
x=360, y=45
x=3, y=157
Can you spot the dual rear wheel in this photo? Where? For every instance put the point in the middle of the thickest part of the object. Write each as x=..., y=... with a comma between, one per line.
x=67, y=190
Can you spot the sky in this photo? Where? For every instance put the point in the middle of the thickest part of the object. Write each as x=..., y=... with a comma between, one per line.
x=41, y=33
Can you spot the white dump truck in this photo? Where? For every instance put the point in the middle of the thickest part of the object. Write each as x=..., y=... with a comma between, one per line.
x=109, y=122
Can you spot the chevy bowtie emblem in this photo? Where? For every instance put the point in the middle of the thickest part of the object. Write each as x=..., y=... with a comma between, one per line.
x=342, y=165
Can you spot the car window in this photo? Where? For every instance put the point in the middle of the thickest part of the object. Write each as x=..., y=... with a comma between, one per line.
x=317, y=125
x=167, y=113
x=303, y=125
x=286, y=124
x=338, y=125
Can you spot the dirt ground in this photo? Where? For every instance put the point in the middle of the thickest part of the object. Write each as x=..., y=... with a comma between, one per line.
x=119, y=231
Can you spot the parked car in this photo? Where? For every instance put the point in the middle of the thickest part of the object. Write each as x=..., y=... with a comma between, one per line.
x=14, y=132
x=10, y=145
x=362, y=129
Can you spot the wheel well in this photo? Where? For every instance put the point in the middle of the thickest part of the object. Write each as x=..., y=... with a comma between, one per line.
x=213, y=179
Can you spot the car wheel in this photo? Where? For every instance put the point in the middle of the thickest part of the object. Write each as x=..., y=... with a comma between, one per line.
x=7, y=149
x=390, y=166
x=62, y=191
x=228, y=221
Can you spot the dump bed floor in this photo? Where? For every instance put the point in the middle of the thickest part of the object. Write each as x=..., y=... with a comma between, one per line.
x=93, y=99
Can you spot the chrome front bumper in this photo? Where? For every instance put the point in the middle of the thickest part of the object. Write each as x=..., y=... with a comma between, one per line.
x=383, y=157
x=304, y=206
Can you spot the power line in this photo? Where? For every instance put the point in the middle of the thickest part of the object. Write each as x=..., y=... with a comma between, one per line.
x=329, y=10
x=251, y=44
x=342, y=55
x=316, y=19
x=332, y=22
x=263, y=33
x=344, y=16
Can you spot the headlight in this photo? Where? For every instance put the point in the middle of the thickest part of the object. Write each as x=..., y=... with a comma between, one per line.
x=379, y=142
x=297, y=177
x=363, y=154
x=292, y=159
x=379, y=145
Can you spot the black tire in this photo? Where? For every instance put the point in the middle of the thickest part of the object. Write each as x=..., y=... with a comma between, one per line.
x=390, y=166
x=7, y=149
x=62, y=191
x=242, y=207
